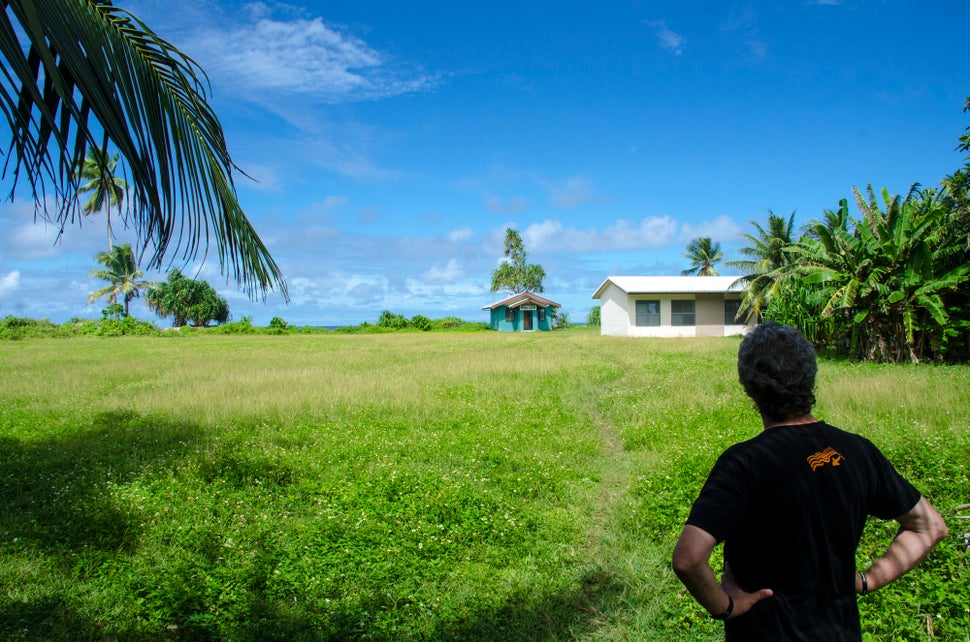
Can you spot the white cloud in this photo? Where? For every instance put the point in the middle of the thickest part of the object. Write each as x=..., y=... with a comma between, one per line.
x=461, y=234
x=448, y=274
x=667, y=38
x=723, y=228
x=650, y=233
x=10, y=282
x=33, y=241
x=306, y=57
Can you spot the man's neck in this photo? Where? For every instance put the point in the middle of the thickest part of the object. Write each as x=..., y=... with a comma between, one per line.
x=790, y=421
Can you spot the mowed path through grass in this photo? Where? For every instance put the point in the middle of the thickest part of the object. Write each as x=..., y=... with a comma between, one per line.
x=400, y=487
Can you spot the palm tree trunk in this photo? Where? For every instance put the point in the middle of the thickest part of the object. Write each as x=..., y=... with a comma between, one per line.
x=107, y=219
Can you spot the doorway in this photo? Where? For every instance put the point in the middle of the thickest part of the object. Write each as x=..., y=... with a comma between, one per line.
x=526, y=319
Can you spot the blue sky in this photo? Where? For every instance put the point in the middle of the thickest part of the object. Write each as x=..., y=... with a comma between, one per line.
x=393, y=143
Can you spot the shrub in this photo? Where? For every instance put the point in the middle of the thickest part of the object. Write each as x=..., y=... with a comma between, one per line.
x=420, y=322
x=593, y=318
x=242, y=326
x=113, y=311
x=392, y=321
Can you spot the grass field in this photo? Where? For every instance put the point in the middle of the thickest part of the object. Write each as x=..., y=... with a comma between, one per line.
x=441, y=486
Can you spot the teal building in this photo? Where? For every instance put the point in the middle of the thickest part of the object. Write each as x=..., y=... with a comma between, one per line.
x=522, y=312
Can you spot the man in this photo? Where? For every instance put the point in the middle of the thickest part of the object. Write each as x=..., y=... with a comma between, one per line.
x=790, y=506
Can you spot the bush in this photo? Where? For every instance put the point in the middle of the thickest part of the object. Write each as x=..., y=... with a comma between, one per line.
x=276, y=323
x=392, y=321
x=593, y=318
x=19, y=328
x=420, y=322
x=124, y=327
x=242, y=326
x=113, y=311
x=15, y=328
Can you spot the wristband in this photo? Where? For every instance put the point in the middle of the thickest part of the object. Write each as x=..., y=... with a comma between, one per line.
x=865, y=584
x=727, y=612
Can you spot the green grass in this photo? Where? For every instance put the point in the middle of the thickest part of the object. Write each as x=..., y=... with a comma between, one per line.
x=411, y=486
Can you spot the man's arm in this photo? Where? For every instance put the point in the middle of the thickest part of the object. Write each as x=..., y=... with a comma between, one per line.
x=692, y=565
x=919, y=531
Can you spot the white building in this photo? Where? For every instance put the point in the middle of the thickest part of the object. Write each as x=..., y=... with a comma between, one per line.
x=670, y=306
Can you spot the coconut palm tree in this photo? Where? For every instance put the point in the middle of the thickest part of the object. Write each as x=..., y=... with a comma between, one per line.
x=704, y=254
x=122, y=274
x=768, y=251
x=78, y=73
x=106, y=189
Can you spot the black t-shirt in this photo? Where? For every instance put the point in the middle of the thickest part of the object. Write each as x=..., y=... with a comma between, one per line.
x=790, y=506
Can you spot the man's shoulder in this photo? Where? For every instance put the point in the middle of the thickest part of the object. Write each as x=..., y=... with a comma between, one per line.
x=800, y=441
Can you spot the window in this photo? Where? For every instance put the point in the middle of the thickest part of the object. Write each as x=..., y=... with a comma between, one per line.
x=648, y=313
x=510, y=315
x=682, y=313
x=731, y=307
x=542, y=314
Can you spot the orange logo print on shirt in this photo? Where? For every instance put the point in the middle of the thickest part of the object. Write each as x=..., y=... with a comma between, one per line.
x=827, y=456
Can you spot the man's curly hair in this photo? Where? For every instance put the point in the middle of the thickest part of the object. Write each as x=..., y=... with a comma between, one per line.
x=776, y=366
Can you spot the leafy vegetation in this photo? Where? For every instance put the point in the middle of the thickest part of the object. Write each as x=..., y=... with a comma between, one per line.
x=515, y=274
x=122, y=274
x=767, y=253
x=704, y=255
x=891, y=284
x=116, y=323
x=187, y=300
x=412, y=486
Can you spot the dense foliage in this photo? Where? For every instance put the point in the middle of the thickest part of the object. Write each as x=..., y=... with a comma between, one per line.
x=187, y=300
x=890, y=283
x=515, y=274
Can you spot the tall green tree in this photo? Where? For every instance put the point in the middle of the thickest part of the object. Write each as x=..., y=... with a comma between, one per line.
x=187, y=301
x=515, y=274
x=767, y=252
x=78, y=73
x=122, y=274
x=704, y=255
x=105, y=188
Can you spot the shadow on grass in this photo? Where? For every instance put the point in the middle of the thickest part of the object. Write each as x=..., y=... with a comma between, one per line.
x=54, y=506
x=527, y=616
x=52, y=490
x=56, y=510
x=560, y=616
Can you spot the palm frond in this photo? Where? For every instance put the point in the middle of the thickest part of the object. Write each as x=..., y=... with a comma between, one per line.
x=94, y=73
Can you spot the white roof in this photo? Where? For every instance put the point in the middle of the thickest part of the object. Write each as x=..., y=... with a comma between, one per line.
x=672, y=284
